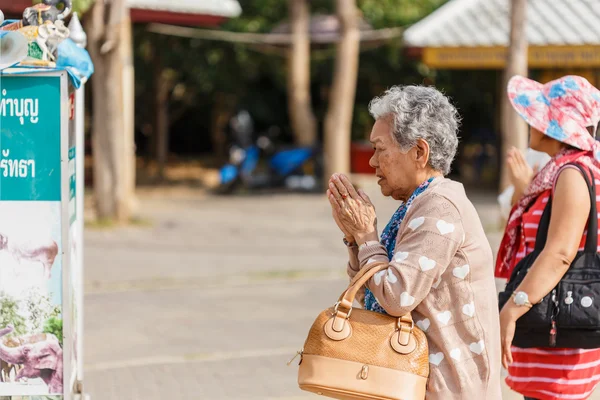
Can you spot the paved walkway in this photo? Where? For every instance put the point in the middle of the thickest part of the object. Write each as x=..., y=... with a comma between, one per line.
x=212, y=299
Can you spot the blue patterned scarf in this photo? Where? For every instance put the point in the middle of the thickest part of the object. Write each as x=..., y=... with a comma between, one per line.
x=388, y=240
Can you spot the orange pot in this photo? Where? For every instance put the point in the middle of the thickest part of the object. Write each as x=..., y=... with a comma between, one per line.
x=360, y=154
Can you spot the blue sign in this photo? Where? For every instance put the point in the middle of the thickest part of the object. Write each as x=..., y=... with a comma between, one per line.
x=33, y=254
x=30, y=138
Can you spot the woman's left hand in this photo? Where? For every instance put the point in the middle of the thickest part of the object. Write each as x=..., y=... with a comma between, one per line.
x=508, y=323
x=355, y=210
x=519, y=172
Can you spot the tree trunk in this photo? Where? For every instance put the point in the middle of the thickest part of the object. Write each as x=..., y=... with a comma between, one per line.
x=109, y=31
x=514, y=129
x=162, y=128
x=222, y=110
x=163, y=85
x=126, y=206
x=338, y=121
x=301, y=114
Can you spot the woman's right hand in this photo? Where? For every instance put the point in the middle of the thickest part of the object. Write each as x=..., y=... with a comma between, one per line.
x=335, y=210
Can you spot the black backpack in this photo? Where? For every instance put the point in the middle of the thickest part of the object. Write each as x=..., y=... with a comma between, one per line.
x=569, y=316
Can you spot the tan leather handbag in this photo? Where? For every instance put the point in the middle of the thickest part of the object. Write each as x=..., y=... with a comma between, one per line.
x=358, y=354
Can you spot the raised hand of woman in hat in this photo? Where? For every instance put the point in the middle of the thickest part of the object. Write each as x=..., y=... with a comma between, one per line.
x=519, y=172
x=353, y=211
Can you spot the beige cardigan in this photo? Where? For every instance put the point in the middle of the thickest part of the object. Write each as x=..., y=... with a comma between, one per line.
x=442, y=272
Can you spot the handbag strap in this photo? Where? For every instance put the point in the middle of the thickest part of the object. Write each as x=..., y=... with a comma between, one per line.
x=400, y=340
x=359, y=280
x=363, y=271
x=591, y=243
x=347, y=298
x=405, y=323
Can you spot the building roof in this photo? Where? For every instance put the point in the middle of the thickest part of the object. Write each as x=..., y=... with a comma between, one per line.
x=220, y=8
x=485, y=23
x=185, y=12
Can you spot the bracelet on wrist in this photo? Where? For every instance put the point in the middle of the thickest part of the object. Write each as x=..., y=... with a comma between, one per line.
x=348, y=243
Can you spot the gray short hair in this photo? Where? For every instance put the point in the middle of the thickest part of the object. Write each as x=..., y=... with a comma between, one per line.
x=421, y=112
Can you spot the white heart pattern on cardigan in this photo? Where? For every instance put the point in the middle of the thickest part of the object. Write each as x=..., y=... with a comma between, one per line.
x=444, y=227
x=416, y=222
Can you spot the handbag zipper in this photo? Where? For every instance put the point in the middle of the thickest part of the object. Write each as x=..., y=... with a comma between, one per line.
x=581, y=280
x=298, y=353
x=553, y=328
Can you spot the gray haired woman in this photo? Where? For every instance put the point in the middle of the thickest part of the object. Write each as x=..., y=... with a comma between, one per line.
x=440, y=263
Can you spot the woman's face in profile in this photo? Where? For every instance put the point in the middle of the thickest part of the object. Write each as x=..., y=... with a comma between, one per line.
x=536, y=139
x=394, y=168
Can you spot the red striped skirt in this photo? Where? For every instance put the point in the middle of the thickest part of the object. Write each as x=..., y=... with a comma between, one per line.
x=549, y=374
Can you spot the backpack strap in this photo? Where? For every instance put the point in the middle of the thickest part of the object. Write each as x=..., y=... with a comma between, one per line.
x=591, y=243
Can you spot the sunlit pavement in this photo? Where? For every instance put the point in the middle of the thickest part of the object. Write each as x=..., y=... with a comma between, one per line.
x=215, y=295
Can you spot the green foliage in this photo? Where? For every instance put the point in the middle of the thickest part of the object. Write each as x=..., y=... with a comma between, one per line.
x=54, y=326
x=388, y=13
x=28, y=313
x=10, y=315
x=79, y=6
x=82, y=6
x=258, y=16
x=256, y=78
x=39, y=309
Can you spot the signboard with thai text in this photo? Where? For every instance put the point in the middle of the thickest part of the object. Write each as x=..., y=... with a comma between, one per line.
x=36, y=187
x=495, y=57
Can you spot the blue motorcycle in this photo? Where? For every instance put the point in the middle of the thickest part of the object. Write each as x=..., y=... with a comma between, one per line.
x=296, y=168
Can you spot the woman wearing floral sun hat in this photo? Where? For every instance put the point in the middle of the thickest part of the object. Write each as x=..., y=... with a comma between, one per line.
x=563, y=116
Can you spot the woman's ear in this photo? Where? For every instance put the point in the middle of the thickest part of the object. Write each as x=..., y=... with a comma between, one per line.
x=422, y=153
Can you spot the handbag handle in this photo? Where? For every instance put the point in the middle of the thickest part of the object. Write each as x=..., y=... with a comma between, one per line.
x=337, y=328
x=405, y=322
x=359, y=275
x=591, y=243
x=360, y=279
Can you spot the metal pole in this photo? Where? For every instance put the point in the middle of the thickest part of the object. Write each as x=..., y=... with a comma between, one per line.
x=78, y=35
x=79, y=201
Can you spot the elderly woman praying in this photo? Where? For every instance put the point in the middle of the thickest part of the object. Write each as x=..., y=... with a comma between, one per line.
x=440, y=265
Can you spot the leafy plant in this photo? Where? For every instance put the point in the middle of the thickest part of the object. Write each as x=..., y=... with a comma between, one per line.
x=28, y=313
x=39, y=309
x=55, y=326
x=255, y=78
x=79, y=6
x=10, y=314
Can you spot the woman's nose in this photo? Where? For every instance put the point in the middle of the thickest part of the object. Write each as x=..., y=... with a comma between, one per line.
x=373, y=162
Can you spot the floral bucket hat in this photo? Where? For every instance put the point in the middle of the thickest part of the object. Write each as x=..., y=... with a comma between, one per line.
x=562, y=109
